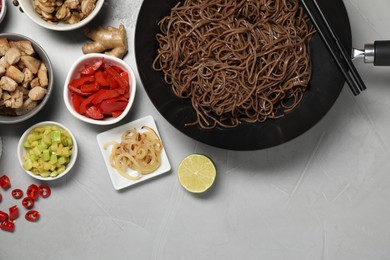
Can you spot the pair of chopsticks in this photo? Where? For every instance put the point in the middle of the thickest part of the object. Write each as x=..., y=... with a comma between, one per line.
x=336, y=48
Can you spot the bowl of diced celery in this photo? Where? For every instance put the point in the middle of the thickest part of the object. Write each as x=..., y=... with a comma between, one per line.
x=47, y=150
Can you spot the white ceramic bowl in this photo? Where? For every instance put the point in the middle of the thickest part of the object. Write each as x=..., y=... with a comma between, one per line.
x=89, y=59
x=21, y=150
x=3, y=9
x=28, y=8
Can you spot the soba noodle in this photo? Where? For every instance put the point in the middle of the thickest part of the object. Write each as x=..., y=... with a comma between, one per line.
x=236, y=60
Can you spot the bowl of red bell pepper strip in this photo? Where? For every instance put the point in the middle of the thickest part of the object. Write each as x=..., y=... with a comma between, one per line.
x=99, y=89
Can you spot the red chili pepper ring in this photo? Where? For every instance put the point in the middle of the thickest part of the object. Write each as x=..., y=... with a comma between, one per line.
x=28, y=202
x=44, y=191
x=32, y=215
x=32, y=191
x=17, y=193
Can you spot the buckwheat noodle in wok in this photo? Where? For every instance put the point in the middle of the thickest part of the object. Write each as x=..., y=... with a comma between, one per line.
x=236, y=60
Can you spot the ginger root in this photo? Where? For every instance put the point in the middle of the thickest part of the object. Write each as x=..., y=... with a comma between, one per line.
x=110, y=40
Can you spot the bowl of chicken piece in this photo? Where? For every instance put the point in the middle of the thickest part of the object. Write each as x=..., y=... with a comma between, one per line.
x=61, y=15
x=26, y=78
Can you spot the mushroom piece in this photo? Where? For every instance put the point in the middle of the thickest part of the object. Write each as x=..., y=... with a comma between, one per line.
x=87, y=6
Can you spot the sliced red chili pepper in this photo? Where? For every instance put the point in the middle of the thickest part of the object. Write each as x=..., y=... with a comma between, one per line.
x=32, y=191
x=44, y=191
x=125, y=75
x=32, y=215
x=104, y=94
x=94, y=112
x=117, y=68
x=76, y=101
x=13, y=212
x=78, y=82
x=123, y=84
x=107, y=108
x=91, y=69
x=86, y=103
x=5, y=183
x=101, y=79
x=8, y=226
x=3, y=216
x=28, y=203
x=116, y=99
x=90, y=87
x=112, y=82
x=75, y=90
x=17, y=193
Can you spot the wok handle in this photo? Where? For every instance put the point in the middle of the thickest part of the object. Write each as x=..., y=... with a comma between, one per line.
x=377, y=53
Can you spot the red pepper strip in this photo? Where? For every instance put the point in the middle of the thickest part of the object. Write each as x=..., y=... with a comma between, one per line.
x=17, y=193
x=32, y=191
x=32, y=215
x=44, y=191
x=117, y=99
x=76, y=101
x=5, y=183
x=116, y=113
x=13, y=213
x=1, y=197
x=90, y=69
x=90, y=87
x=107, y=108
x=112, y=82
x=101, y=79
x=81, y=81
x=104, y=94
x=3, y=216
x=75, y=90
x=8, y=226
x=123, y=84
x=117, y=68
x=125, y=75
x=28, y=203
x=94, y=112
x=86, y=103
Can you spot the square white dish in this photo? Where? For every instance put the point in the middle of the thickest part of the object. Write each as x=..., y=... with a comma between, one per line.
x=118, y=181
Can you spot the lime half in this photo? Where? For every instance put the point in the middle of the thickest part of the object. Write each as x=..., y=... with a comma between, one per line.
x=196, y=173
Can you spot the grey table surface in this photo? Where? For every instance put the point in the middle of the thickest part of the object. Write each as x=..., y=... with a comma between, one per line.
x=324, y=195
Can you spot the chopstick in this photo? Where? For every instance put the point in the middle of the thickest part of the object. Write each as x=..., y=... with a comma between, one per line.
x=336, y=48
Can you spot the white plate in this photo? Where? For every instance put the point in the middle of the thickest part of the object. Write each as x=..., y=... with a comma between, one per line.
x=115, y=134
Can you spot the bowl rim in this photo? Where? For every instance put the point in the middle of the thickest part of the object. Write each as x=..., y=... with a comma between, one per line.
x=20, y=148
x=40, y=52
x=3, y=10
x=132, y=86
x=29, y=11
